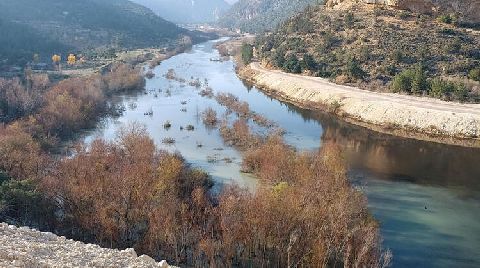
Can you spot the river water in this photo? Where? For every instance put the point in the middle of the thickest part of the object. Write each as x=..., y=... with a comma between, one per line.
x=426, y=196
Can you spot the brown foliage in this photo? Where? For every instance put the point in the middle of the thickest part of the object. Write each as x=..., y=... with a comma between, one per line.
x=127, y=193
x=16, y=100
x=71, y=105
x=239, y=135
x=314, y=218
x=123, y=77
x=209, y=117
x=232, y=103
x=20, y=155
x=63, y=109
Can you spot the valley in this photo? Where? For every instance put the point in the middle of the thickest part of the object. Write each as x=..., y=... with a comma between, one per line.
x=239, y=133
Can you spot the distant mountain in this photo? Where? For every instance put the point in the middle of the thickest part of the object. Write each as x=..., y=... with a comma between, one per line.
x=262, y=15
x=187, y=11
x=59, y=26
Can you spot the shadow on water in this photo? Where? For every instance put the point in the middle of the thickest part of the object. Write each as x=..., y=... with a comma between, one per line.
x=399, y=159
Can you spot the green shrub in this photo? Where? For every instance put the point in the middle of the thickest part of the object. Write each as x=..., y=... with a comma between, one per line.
x=309, y=62
x=20, y=200
x=440, y=88
x=278, y=59
x=403, y=15
x=349, y=19
x=354, y=70
x=474, y=74
x=397, y=55
x=446, y=18
x=247, y=53
x=460, y=92
x=402, y=82
x=292, y=64
x=419, y=80
x=411, y=80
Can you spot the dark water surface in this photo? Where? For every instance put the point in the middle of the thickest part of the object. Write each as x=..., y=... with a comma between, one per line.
x=425, y=195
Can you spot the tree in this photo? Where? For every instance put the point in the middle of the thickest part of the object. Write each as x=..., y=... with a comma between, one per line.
x=413, y=80
x=354, y=70
x=474, y=74
x=56, y=61
x=309, y=62
x=419, y=80
x=460, y=92
x=440, y=88
x=278, y=59
x=292, y=64
x=36, y=58
x=72, y=59
x=247, y=53
x=402, y=82
x=56, y=58
x=22, y=202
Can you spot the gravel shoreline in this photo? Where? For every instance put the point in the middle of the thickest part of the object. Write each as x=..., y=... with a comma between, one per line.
x=401, y=115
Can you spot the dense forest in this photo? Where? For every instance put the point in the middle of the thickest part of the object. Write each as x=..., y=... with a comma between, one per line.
x=31, y=27
x=379, y=48
x=258, y=16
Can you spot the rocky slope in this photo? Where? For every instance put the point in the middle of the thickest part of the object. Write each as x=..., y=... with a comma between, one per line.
x=261, y=15
x=380, y=48
x=24, y=247
x=466, y=10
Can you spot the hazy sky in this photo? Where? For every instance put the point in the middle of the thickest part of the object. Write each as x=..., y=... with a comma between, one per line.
x=231, y=1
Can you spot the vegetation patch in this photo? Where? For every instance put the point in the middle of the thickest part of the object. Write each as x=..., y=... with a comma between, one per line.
x=377, y=49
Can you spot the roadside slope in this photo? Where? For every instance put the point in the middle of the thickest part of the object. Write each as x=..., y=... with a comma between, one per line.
x=403, y=115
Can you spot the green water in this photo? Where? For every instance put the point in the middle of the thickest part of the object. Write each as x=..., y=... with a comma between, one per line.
x=425, y=195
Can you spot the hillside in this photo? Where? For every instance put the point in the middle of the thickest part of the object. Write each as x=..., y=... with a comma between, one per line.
x=19, y=42
x=380, y=48
x=24, y=247
x=261, y=15
x=60, y=26
x=187, y=11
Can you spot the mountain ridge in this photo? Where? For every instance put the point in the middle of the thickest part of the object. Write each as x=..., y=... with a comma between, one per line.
x=256, y=16
x=61, y=26
x=187, y=11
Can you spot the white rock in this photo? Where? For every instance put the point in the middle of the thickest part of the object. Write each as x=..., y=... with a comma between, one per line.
x=24, y=247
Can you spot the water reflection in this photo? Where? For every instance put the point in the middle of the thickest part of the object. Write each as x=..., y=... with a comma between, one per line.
x=394, y=158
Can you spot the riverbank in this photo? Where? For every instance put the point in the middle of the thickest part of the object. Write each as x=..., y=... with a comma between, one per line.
x=401, y=115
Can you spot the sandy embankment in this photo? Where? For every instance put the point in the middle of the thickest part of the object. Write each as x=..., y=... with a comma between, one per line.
x=407, y=116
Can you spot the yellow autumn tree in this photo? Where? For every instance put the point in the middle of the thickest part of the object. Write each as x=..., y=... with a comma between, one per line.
x=56, y=58
x=72, y=59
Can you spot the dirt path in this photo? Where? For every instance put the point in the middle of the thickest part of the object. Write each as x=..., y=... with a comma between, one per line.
x=398, y=114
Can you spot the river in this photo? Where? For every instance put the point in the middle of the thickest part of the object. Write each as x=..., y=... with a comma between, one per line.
x=426, y=196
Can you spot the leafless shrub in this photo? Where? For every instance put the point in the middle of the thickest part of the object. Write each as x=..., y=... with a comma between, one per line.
x=209, y=117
